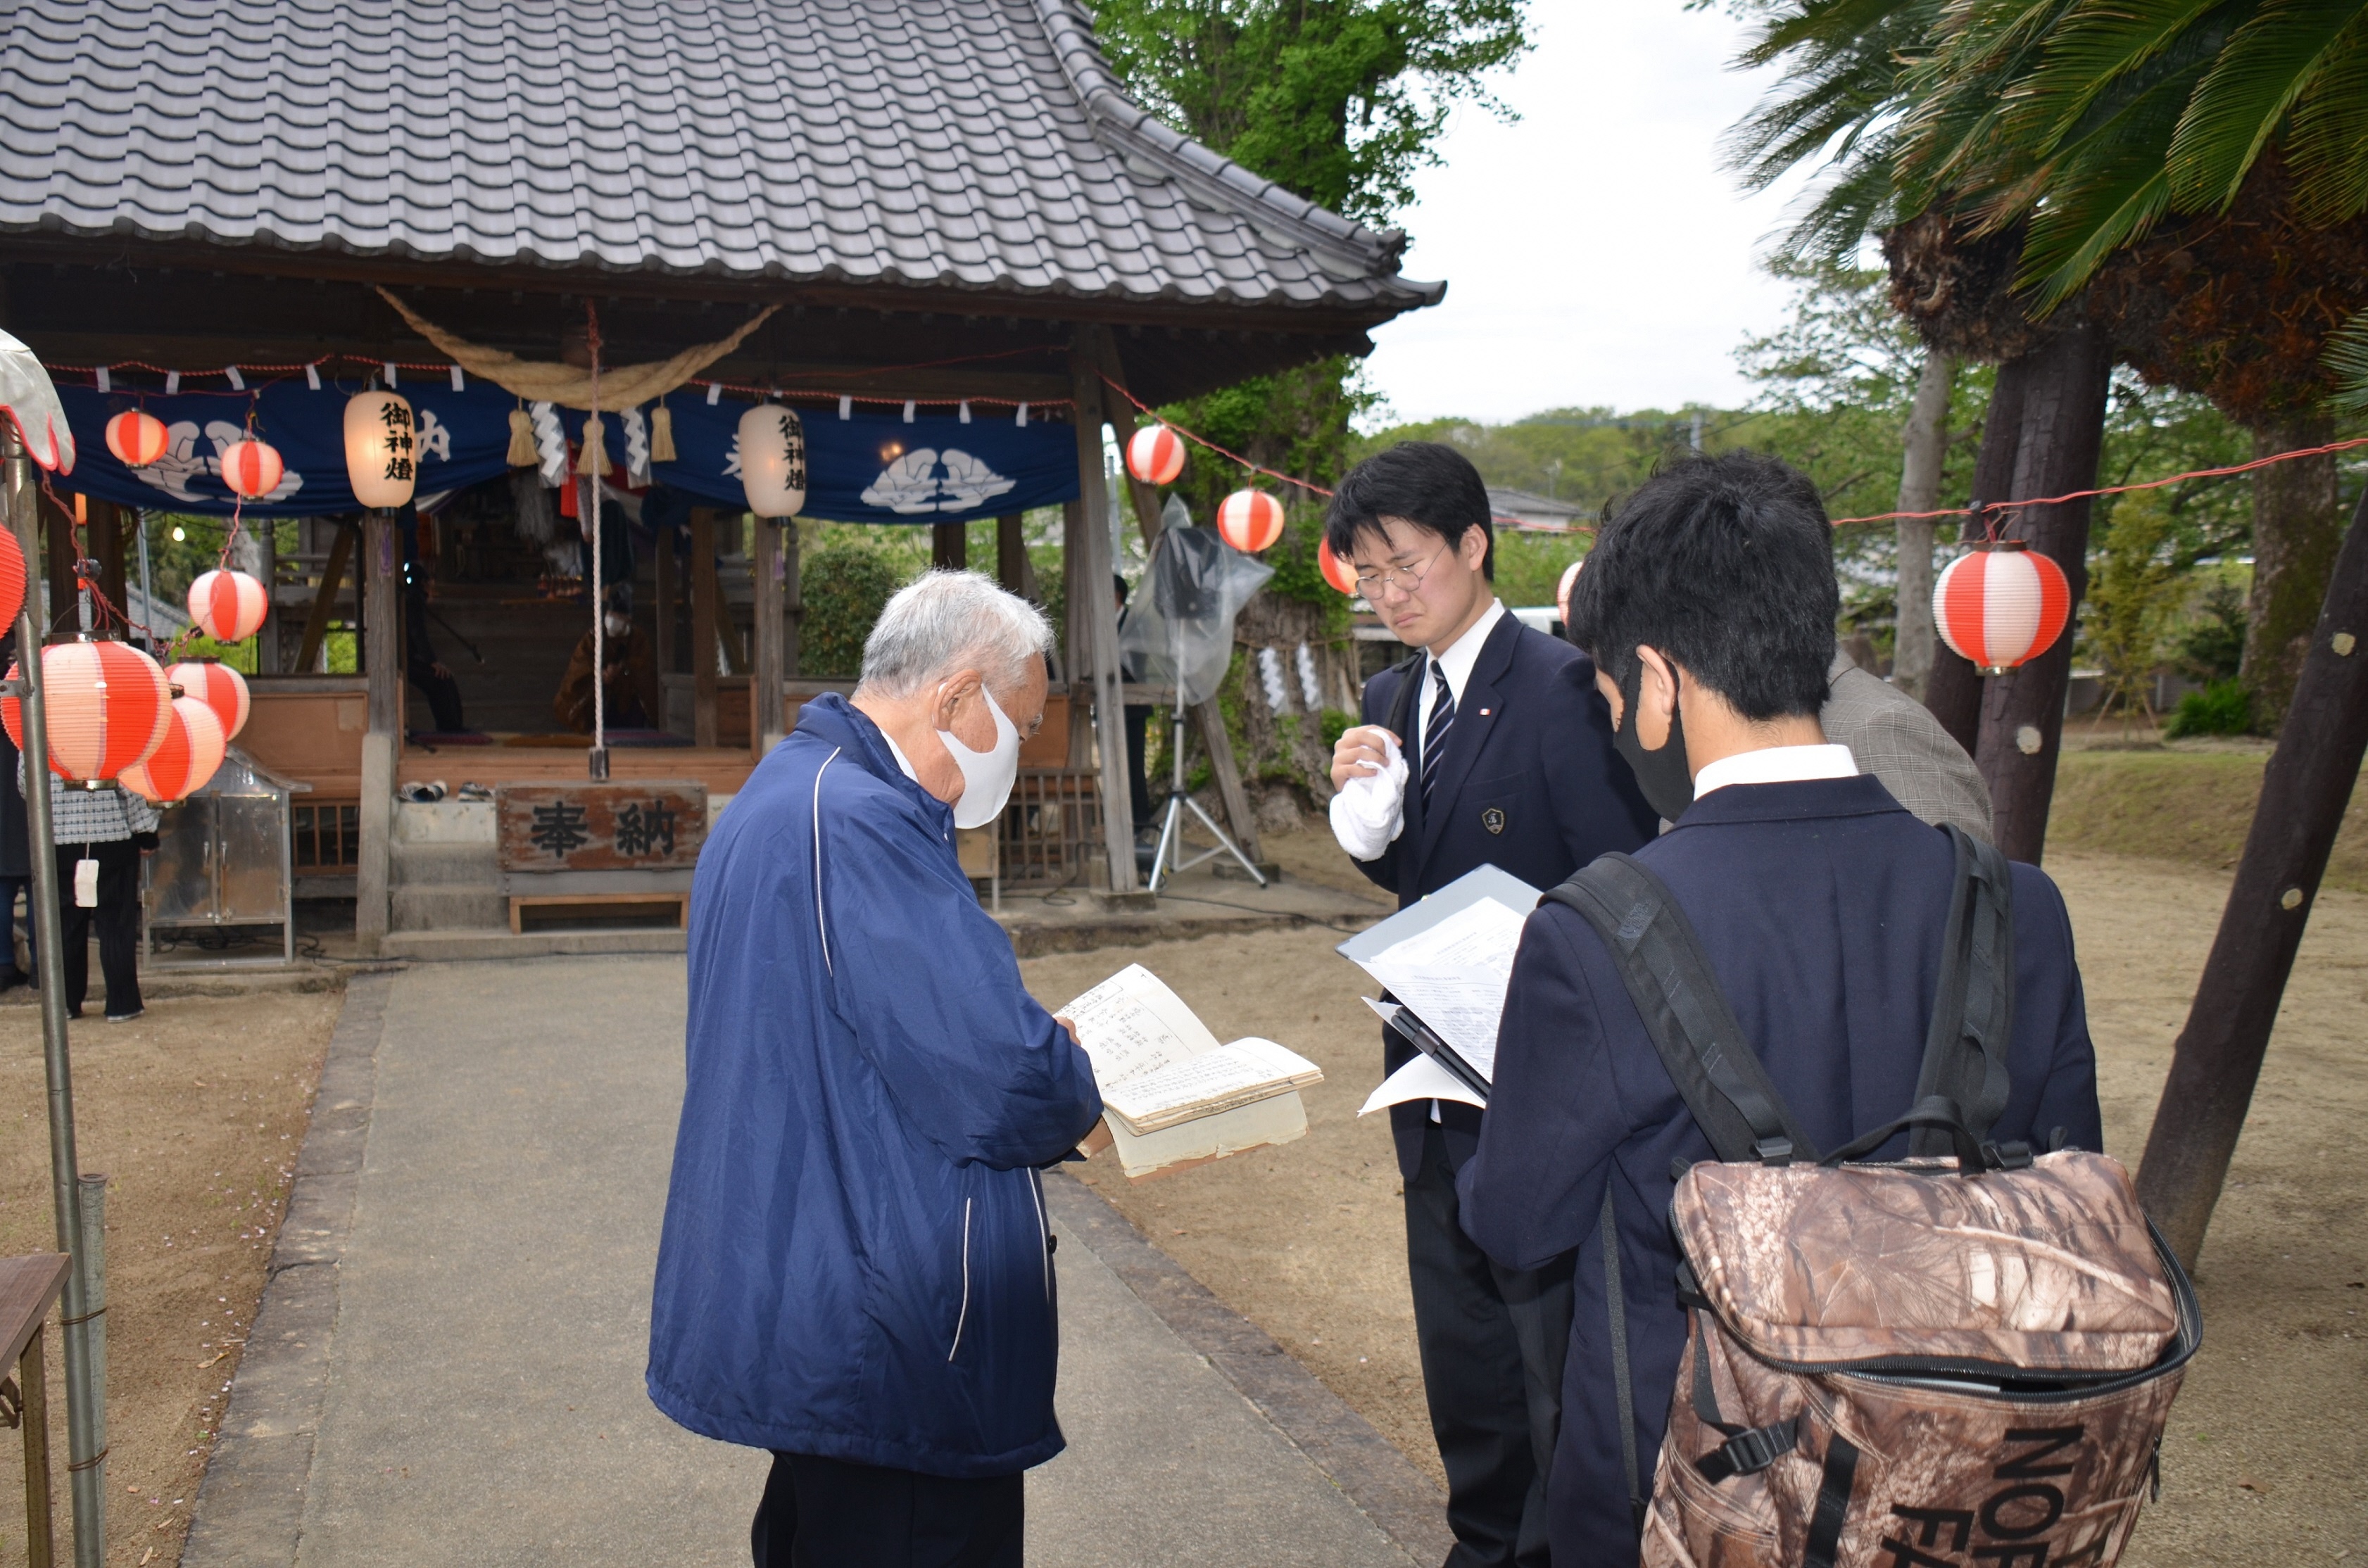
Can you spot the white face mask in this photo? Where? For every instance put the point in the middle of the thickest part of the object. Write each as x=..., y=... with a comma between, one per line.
x=617, y=624
x=987, y=776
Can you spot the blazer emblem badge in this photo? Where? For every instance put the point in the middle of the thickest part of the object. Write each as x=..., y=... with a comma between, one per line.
x=1493, y=819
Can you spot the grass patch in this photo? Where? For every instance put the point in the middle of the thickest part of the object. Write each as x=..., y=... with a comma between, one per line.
x=2188, y=807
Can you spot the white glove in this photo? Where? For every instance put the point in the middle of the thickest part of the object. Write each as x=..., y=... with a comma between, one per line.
x=1371, y=808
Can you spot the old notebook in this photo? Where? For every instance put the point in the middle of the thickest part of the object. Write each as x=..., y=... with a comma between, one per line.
x=1170, y=1093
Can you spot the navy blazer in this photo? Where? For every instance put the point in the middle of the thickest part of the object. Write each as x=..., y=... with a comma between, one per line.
x=1530, y=783
x=1821, y=905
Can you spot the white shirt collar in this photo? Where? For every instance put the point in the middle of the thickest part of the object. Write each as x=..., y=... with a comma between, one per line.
x=1776, y=765
x=902, y=760
x=1464, y=652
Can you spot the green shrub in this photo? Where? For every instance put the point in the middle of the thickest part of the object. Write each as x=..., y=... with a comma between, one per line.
x=2223, y=707
x=846, y=586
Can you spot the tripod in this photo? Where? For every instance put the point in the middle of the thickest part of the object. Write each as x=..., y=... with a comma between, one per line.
x=1170, y=857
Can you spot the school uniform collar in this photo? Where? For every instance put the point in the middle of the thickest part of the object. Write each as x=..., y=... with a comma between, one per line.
x=1464, y=652
x=1790, y=801
x=1777, y=764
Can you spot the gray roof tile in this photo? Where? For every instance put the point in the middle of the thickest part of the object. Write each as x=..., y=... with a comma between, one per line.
x=965, y=143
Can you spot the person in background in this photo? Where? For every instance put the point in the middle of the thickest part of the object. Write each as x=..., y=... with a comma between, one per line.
x=1508, y=760
x=15, y=854
x=1138, y=749
x=1709, y=605
x=629, y=669
x=1895, y=737
x=855, y=1271
x=108, y=828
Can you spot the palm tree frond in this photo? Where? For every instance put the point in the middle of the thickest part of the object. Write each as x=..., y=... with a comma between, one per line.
x=2347, y=357
x=2240, y=102
x=2102, y=41
x=2326, y=149
x=2067, y=244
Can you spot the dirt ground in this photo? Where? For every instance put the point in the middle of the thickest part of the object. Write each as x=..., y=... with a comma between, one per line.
x=195, y=1111
x=2262, y=1464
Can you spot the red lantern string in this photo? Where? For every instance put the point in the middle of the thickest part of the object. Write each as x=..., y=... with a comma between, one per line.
x=1982, y=508
x=1192, y=436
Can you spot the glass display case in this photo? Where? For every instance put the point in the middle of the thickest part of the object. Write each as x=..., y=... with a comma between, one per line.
x=222, y=870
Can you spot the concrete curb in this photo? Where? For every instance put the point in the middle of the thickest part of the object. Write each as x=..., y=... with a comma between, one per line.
x=1367, y=1468
x=250, y=1506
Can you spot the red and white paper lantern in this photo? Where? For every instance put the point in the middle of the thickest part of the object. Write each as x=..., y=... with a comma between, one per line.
x=217, y=685
x=2001, y=605
x=1155, y=455
x=228, y=606
x=1249, y=520
x=1335, y=570
x=252, y=468
x=12, y=579
x=188, y=754
x=1562, y=588
x=137, y=438
x=108, y=706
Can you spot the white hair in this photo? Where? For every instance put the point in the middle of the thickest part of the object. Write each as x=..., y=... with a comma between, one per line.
x=944, y=621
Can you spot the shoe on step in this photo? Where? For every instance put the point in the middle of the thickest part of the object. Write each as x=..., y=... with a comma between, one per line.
x=125, y=1017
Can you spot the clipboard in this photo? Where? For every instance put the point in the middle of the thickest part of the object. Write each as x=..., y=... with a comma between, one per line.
x=1415, y=1032
x=1484, y=882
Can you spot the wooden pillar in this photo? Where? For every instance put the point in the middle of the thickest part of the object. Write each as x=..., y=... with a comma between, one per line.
x=266, y=645
x=669, y=595
x=704, y=608
x=105, y=537
x=949, y=546
x=1208, y=715
x=382, y=573
x=765, y=728
x=1011, y=552
x=2305, y=791
x=58, y=552
x=793, y=598
x=1095, y=606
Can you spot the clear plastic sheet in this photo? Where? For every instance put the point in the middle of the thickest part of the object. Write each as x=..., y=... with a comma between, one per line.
x=1179, y=627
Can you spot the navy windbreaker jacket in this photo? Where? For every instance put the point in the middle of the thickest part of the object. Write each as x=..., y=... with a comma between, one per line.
x=856, y=1262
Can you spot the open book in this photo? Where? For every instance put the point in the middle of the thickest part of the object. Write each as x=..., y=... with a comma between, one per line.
x=1446, y=960
x=1170, y=1093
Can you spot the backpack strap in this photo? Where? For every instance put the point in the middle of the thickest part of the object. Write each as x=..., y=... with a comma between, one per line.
x=1670, y=978
x=1972, y=1009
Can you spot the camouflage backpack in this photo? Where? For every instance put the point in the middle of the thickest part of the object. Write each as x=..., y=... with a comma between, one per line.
x=1932, y=1363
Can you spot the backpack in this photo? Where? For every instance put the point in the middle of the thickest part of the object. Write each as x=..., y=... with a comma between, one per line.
x=1962, y=1359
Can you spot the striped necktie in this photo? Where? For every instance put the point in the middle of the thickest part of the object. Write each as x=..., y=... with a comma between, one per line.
x=1434, y=733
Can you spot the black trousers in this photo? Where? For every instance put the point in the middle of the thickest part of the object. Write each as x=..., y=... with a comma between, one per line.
x=820, y=1513
x=443, y=694
x=1493, y=1343
x=117, y=919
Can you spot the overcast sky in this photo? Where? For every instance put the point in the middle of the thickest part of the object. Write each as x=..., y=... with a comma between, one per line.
x=1595, y=252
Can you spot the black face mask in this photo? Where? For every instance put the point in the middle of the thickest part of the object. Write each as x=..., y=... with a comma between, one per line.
x=1663, y=776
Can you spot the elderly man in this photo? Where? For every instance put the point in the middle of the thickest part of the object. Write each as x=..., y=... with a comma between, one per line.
x=856, y=1272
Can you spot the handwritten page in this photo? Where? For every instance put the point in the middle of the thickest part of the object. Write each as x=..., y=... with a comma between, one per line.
x=1131, y=1024
x=1453, y=976
x=1238, y=1074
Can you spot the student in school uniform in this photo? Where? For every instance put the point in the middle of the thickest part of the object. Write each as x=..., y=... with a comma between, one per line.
x=1820, y=901
x=1504, y=753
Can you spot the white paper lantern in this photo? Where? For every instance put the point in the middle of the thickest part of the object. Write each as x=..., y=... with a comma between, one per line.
x=773, y=461
x=381, y=449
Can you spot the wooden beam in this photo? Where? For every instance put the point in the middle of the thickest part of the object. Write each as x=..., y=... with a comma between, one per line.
x=950, y=547
x=104, y=538
x=1091, y=539
x=59, y=550
x=669, y=594
x=703, y=607
x=793, y=598
x=1209, y=716
x=765, y=672
x=381, y=740
x=2304, y=792
x=324, y=603
x=1011, y=552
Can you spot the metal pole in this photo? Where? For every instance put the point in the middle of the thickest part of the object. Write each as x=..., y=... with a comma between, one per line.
x=148, y=595
x=86, y=1452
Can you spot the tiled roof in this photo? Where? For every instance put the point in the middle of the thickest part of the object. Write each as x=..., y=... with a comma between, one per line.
x=976, y=144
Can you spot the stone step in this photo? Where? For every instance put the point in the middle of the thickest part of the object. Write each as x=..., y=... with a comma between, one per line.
x=451, y=945
x=447, y=908
x=443, y=865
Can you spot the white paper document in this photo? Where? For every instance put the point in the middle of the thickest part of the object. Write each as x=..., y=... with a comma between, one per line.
x=1452, y=976
x=1131, y=1023
x=1157, y=1065
x=1421, y=1079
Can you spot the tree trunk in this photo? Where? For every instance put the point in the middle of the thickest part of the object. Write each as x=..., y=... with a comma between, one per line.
x=2297, y=530
x=1953, y=690
x=1927, y=445
x=2022, y=711
x=2304, y=792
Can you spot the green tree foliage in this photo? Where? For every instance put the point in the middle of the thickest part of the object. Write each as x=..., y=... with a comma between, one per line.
x=1340, y=102
x=845, y=585
x=2135, y=593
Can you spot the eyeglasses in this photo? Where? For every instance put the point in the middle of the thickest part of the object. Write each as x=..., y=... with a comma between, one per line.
x=1405, y=579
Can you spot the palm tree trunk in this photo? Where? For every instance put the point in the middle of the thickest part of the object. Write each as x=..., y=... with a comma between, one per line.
x=2304, y=792
x=2297, y=530
x=2022, y=711
x=1927, y=445
x=1953, y=690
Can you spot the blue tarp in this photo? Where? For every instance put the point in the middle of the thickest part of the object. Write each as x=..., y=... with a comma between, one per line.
x=863, y=469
